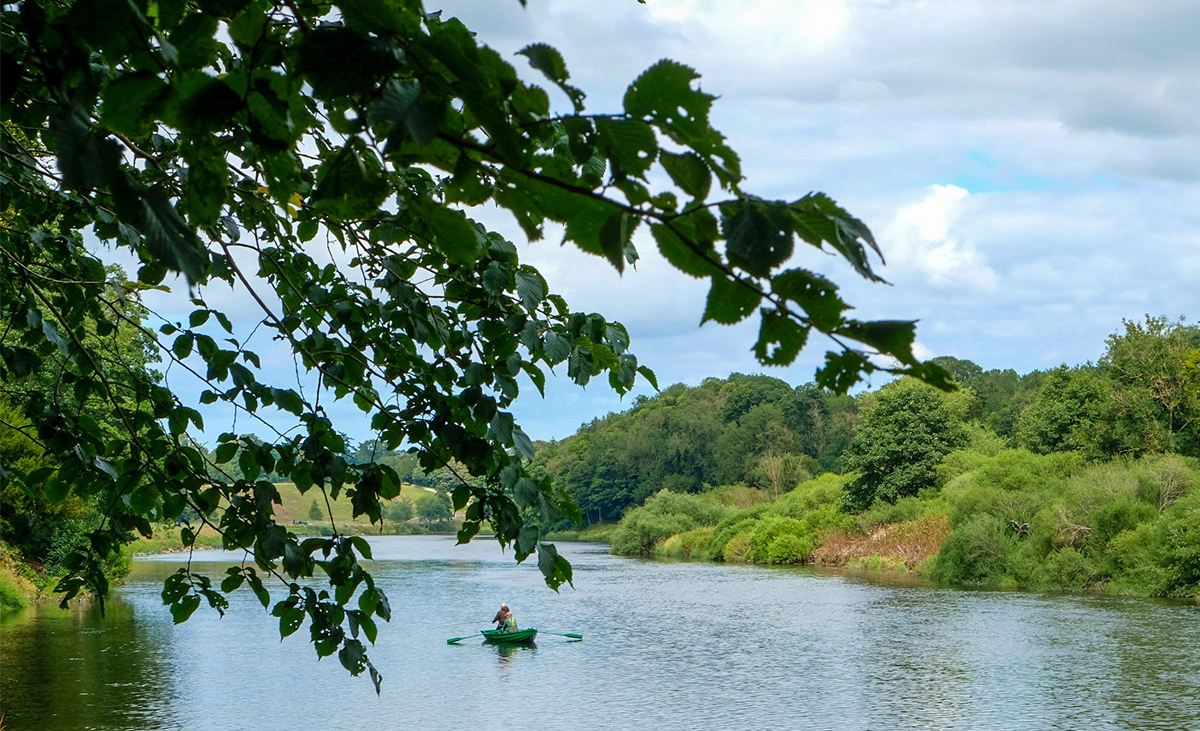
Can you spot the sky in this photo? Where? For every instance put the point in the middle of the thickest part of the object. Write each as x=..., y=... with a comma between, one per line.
x=1031, y=169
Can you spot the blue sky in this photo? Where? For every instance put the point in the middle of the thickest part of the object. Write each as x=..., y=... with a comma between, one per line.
x=1031, y=169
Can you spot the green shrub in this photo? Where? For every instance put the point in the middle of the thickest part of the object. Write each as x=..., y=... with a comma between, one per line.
x=663, y=516
x=767, y=530
x=884, y=513
x=733, y=523
x=737, y=549
x=812, y=494
x=1065, y=570
x=977, y=552
x=11, y=596
x=789, y=548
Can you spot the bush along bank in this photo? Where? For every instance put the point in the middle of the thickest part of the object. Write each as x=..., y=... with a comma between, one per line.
x=992, y=518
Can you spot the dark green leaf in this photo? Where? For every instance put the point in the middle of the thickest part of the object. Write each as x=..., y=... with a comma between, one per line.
x=615, y=237
x=730, y=301
x=550, y=62
x=780, y=339
x=629, y=143
x=689, y=172
x=352, y=184
x=184, y=608
x=758, y=233
x=698, y=261
x=523, y=443
x=130, y=103
x=816, y=294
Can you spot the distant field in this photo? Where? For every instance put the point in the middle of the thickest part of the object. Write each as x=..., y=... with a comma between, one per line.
x=295, y=506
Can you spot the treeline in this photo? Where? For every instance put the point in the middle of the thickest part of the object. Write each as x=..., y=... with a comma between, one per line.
x=1076, y=478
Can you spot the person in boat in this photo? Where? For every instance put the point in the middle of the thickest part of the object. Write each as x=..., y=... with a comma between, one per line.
x=504, y=619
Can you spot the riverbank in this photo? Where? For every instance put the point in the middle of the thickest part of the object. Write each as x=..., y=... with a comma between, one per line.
x=1004, y=519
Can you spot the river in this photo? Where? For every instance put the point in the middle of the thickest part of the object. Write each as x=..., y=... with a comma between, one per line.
x=667, y=646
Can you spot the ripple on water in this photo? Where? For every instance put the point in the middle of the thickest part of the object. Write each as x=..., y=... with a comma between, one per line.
x=668, y=646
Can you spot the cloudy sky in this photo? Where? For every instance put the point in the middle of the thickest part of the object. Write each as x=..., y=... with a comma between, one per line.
x=1031, y=168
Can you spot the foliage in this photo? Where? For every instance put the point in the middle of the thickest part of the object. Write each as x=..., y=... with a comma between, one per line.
x=906, y=430
x=691, y=440
x=663, y=515
x=434, y=507
x=314, y=511
x=400, y=511
x=1054, y=522
x=319, y=159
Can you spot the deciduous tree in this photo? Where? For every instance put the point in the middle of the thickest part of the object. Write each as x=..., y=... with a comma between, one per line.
x=230, y=141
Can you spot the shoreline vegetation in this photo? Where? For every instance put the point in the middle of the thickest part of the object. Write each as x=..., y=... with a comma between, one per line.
x=1081, y=478
x=1078, y=478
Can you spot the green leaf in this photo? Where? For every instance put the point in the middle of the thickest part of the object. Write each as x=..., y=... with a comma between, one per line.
x=550, y=62
x=403, y=106
x=454, y=234
x=194, y=41
x=758, y=235
x=85, y=160
x=185, y=607
x=131, y=102
x=841, y=370
x=495, y=279
x=352, y=184
x=689, y=172
x=523, y=443
x=531, y=287
x=306, y=230
x=816, y=218
x=340, y=62
x=581, y=364
x=785, y=334
x=207, y=180
x=556, y=346
x=169, y=239
x=248, y=27
x=616, y=235
x=702, y=263
x=893, y=337
x=290, y=621
x=649, y=376
x=352, y=656
x=554, y=567
x=628, y=143
x=360, y=544
x=816, y=294
x=730, y=301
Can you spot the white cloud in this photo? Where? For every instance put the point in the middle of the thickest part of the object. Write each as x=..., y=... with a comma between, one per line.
x=920, y=241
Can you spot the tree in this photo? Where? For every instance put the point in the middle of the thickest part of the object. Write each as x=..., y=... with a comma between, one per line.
x=314, y=511
x=400, y=511
x=906, y=429
x=320, y=158
x=434, y=507
x=1148, y=364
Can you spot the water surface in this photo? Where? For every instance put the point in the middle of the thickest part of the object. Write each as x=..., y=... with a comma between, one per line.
x=668, y=646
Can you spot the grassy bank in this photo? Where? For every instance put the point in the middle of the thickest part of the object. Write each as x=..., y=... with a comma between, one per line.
x=598, y=533
x=1008, y=518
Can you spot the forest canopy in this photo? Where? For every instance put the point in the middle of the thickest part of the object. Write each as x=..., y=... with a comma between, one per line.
x=1076, y=478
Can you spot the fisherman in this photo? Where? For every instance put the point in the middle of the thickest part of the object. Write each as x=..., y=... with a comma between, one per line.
x=504, y=619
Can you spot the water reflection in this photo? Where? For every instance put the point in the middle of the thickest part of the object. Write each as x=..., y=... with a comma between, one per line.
x=75, y=669
x=508, y=653
x=669, y=646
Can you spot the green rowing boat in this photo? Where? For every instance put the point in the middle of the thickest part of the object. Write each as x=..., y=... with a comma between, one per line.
x=500, y=636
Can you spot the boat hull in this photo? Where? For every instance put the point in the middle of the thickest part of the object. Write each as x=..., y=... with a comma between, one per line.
x=500, y=637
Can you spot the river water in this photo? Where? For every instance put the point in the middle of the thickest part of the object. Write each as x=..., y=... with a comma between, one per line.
x=667, y=646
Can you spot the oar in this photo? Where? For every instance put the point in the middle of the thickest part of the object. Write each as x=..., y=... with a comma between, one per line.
x=562, y=634
x=454, y=640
